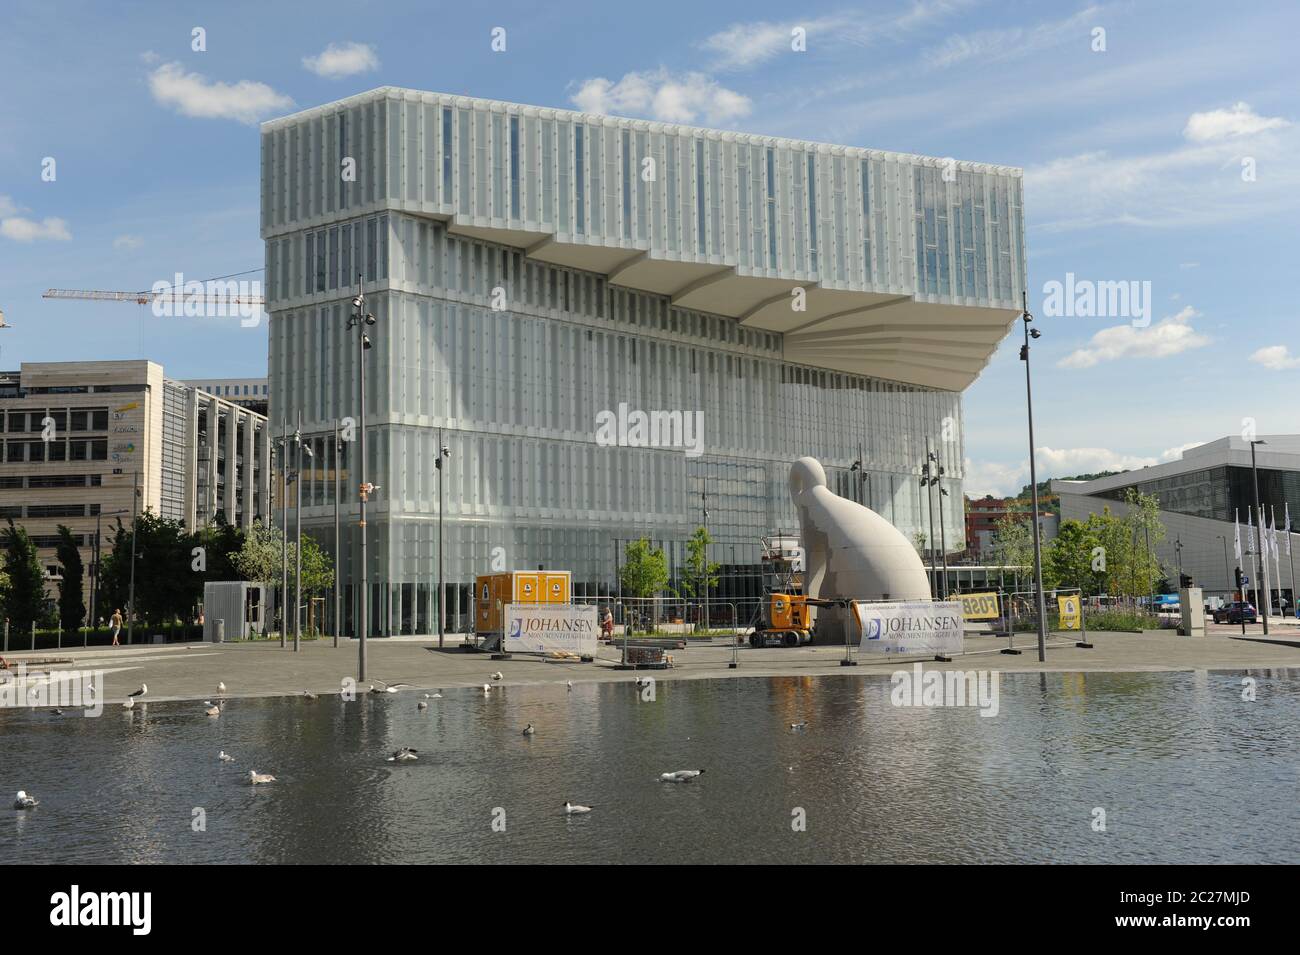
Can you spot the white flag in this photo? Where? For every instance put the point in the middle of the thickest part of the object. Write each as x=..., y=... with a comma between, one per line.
x=1250, y=532
x=1272, y=531
x=1236, y=538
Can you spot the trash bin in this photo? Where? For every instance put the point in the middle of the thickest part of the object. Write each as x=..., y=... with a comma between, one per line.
x=219, y=634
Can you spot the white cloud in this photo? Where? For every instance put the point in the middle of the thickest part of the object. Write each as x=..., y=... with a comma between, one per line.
x=7, y=207
x=1169, y=336
x=672, y=98
x=1002, y=479
x=150, y=57
x=342, y=59
x=1276, y=358
x=1239, y=120
x=29, y=230
x=1174, y=454
x=193, y=94
x=743, y=45
x=128, y=242
x=991, y=46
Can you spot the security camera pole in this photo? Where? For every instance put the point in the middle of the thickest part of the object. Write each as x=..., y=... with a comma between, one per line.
x=1033, y=481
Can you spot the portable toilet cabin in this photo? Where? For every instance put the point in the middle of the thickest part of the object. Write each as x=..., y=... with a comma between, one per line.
x=492, y=592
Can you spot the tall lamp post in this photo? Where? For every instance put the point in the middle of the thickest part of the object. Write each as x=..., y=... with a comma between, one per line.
x=1033, y=480
x=301, y=448
x=338, y=552
x=936, y=480
x=443, y=452
x=135, y=519
x=360, y=320
x=927, y=483
x=1259, y=514
x=284, y=529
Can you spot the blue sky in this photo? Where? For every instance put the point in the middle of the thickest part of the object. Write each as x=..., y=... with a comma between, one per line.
x=1167, y=157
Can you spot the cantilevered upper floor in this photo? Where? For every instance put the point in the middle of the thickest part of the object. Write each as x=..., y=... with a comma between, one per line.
x=896, y=266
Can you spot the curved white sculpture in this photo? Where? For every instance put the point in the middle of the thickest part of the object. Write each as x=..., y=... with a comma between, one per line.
x=850, y=550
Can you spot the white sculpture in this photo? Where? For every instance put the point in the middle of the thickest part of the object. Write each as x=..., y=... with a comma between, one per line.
x=850, y=550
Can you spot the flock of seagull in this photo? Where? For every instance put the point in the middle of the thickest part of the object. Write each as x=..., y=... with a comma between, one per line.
x=404, y=754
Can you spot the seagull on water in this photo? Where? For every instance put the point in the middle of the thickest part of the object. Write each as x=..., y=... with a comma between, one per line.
x=433, y=696
x=570, y=685
x=529, y=730
x=571, y=809
x=144, y=688
x=680, y=776
x=24, y=801
x=389, y=687
x=403, y=755
x=802, y=724
x=56, y=712
x=422, y=705
x=308, y=695
x=498, y=675
x=225, y=757
x=214, y=709
x=128, y=704
x=487, y=688
x=255, y=778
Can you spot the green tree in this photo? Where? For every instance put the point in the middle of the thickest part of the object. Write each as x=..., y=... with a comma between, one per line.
x=72, y=596
x=23, y=595
x=1069, y=558
x=645, y=569
x=700, y=575
x=115, y=572
x=1013, y=543
x=259, y=556
x=317, y=567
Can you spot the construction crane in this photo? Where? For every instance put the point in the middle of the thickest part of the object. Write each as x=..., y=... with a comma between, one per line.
x=148, y=298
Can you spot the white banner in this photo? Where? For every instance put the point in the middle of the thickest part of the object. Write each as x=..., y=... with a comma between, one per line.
x=545, y=628
x=917, y=626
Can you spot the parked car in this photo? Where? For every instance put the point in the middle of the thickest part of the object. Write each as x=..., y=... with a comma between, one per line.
x=1236, y=612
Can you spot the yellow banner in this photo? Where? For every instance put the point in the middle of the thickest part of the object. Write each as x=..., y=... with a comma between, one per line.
x=1070, y=615
x=980, y=606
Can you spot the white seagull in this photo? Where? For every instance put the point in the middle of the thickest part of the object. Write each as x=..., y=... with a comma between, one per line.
x=214, y=709
x=681, y=775
x=24, y=801
x=571, y=809
x=308, y=695
x=570, y=684
x=225, y=757
x=403, y=755
x=254, y=777
x=433, y=696
x=529, y=730
x=128, y=704
x=389, y=687
x=498, y=675
x=487, y=688
x=422, y=705
x=802, y=724
x=144, y=688
x=221, y=689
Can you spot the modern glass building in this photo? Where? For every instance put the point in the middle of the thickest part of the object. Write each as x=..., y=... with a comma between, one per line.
x=531, y=270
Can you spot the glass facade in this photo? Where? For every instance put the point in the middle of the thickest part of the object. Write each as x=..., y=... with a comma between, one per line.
x=516, y=358
x=1219, y=493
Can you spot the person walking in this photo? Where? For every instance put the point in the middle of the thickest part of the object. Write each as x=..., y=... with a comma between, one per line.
x=116, y=623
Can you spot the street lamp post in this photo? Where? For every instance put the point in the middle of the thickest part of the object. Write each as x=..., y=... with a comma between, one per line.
x=297, y=533
x=130, y=600
x=1259, y=515
x=1033, y=480
x=359, y=320
x=443, y=452
x=338, y=552
x=284, y=528
x=929, y=506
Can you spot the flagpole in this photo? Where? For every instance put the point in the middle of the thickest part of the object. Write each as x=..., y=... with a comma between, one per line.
x=1286, y=520
x=1272, y=545
x=1268, y=587
x=1254, y=552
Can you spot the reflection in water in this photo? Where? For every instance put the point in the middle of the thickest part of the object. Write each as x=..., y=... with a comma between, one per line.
x=1186, y=771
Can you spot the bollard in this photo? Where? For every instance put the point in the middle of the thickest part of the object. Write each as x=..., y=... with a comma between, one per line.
x=59, y=643
x=220, y=634
x=1083, y=643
